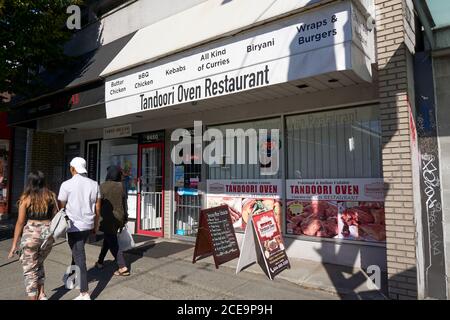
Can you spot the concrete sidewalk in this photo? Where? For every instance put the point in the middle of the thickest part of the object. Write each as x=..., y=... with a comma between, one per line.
x=163, y=269
x=345, y=282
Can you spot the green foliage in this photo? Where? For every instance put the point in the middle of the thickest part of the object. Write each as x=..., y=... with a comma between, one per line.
x=32, y=35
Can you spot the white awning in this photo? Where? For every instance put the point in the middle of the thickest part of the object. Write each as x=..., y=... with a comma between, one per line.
x=333, y=38
x=203, y=23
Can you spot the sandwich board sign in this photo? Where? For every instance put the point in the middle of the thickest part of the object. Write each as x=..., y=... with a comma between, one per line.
x=216, y=236
x=263, y=244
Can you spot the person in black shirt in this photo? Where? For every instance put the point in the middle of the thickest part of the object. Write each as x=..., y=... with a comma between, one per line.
x=37, y=206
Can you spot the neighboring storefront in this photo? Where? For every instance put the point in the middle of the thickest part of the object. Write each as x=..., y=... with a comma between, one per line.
x=5, y=165
x=140, y=156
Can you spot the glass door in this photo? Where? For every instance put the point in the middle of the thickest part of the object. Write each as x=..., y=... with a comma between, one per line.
x=150, y=189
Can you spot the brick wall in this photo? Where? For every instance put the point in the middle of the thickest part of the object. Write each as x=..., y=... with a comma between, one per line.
x=47, y=156
x=395, y=40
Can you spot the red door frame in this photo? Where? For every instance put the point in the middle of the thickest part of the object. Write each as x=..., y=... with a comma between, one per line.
x=6, y=133
x=10, y=173
x=159, y=145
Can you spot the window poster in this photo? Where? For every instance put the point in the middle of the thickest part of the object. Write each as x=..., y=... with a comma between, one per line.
x=179, y=176
x=245, y=198
x=336, y=208
x=128, y=164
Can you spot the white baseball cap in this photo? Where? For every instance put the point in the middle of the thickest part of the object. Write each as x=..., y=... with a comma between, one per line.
x=79, y=165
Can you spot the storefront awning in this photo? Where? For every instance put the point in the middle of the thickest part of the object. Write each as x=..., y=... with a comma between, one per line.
x=77, y=86
x=329, y=39
x=93, y=63
x=26, y=115
x=198, y=25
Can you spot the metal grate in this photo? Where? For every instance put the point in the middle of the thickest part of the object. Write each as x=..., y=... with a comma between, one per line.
x=151, y=204
x=187, y=214
x=151, y=189
x=188, y=206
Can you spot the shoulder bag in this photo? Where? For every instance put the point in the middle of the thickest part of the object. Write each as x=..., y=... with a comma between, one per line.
x=58, y=226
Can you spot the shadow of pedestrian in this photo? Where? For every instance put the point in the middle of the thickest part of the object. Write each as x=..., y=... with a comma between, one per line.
x=59, y=293
x=103, y=276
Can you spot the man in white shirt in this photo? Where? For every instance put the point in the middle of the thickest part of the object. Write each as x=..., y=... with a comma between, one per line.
x=81, y=198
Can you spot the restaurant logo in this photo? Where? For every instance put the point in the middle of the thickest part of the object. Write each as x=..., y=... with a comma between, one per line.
x=266, y=227
x=234, y=146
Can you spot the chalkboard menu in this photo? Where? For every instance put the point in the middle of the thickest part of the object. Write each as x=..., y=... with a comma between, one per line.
x=216, y=236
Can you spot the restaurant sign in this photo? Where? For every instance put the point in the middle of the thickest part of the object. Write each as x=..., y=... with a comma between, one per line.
x=334, y=38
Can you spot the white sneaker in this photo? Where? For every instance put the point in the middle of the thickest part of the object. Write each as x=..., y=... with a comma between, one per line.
x=43, y=298
x=83, y=297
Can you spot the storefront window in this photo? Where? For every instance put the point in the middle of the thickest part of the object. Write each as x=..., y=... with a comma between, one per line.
x=334, y=187
x=336, y=144
x=232, y=167
x=4, y=158
x=188, y=200
x=242, y=181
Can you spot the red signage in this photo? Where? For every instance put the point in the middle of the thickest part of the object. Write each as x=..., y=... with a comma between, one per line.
x=5, y=131
x=270, y=242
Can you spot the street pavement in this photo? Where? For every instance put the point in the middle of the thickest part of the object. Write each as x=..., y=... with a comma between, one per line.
x=159, y=270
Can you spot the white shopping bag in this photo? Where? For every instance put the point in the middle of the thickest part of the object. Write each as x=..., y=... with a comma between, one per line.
x=125, y=240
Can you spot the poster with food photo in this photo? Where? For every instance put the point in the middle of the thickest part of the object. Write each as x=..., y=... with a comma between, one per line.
x=245, y=198
x=362, y=221
x=241, y=209
x=270, y=242
x=312, y=218
x=351, y=209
